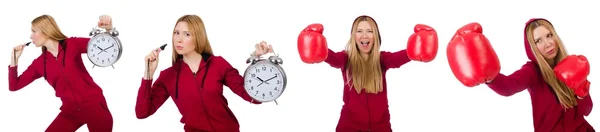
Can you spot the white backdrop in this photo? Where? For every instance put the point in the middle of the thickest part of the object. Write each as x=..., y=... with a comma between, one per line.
x=422, y=96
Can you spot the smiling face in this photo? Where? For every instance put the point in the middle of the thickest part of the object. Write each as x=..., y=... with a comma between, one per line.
x=364, y=37
x=183, y=41
x=545, y=42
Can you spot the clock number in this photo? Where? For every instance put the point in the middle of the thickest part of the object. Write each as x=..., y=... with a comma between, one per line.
x=97, y=41
x=251, y=87
x=264, y=68
x=103, y=39
x=271, y=93
x=257, y=70
x=278, y=81
x=276, y=89
x=249, y=81
x=253, y=75
x=256, y=92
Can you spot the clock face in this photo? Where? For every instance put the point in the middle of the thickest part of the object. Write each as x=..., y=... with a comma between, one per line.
x=103, y=50
x=264, y=82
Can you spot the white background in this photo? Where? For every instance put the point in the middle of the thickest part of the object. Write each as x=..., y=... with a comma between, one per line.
x=422, y=96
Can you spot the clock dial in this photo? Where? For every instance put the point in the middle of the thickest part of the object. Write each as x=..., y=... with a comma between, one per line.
x=103, y=50
x=264, y=82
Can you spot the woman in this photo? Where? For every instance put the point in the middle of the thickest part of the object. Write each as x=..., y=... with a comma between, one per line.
x=363, y=68
x=61, y=65
x=194, y=81
x=555, y=106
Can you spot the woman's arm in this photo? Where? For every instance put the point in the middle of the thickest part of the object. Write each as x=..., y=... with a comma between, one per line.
x=585, y=104
x=515, y=82
x=150, y=97
x=80, y=44
x=29, y=75
x=394, y=59
x=234, y=80
x=336, y=59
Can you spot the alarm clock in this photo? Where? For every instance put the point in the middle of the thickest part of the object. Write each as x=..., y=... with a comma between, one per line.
x=264, y=79
x=104, y=48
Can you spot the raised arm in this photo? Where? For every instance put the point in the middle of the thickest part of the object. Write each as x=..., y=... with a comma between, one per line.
x=29, y=75
x=79, y=43
x=585, y=105
x=150, y=97
x=336, y=59
x=234, y=80
x=394, y=59
x=515, y=82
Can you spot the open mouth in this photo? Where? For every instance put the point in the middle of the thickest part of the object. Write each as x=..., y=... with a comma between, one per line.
x=364, y=43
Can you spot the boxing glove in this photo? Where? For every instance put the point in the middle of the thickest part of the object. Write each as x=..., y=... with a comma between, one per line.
x=573, y=70
x=312, y=45
x=471, y=57
x=423, y=44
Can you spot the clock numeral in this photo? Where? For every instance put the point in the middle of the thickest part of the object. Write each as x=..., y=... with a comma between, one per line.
x=253, y=75
x=271, y=70
x=251, y=87
x=249, y=81
x=95, y=45
x=271, y=93
x=114, y=50
x=93, y=55
x=264, y=68
x=276, y=89
x=257, y=71
x=97, y=41
x=278, y=81
x=103, y=39
x=256, y=92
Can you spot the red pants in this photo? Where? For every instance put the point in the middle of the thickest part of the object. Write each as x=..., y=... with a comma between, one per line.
x=97, y=116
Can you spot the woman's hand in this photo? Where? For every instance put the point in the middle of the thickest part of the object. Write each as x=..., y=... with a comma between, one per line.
x=151, y=61
x=105, y=22
x=16, y=54
x=262, y=48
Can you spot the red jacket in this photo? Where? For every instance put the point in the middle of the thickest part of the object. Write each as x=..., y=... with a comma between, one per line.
x=366, y=111
x=66, y=73
x=198, y=96
x=548, y=113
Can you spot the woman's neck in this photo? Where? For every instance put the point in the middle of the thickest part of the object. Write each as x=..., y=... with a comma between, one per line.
x=192, y=58
x=51, y=46
x=551, y=62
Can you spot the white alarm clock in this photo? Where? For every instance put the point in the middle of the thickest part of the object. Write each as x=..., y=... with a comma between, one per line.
x=104, y=48
x=264, y=79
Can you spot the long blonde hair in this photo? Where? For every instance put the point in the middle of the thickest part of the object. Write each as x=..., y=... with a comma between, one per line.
x=364, y=73
x=48, y=27
x=565, y=96
x=198, y=32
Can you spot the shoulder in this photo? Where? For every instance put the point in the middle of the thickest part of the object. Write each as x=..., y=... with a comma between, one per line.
x=169, y=72
x=219, y=61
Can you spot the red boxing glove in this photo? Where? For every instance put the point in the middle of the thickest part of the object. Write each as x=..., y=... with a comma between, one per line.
x=423, y=44
x=573, y=70
x=583, y=90
x=312, y=45
x=471, y=56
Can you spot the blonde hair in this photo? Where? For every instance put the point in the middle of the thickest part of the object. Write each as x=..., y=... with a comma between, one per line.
x=364, y=74
x=198, y=32
x=565, y=96
x=47, y=25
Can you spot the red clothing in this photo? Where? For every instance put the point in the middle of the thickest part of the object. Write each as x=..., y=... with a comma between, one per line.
x=199, y=96
x=67, y=74
x=365, y=111
x=548, y=113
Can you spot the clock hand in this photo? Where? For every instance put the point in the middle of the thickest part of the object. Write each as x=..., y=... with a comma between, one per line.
x=271, y=78
x=262, y=80
x=104, y=50
x=260, y=84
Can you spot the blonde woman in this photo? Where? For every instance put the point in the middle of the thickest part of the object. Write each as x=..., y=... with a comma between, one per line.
x=195, y=81
x=363, y=67
x=62, y=67
x=556, y=108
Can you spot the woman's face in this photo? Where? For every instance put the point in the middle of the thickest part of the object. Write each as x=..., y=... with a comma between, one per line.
x=182, y=39
x=545, y=42
x=37, y=37
x=364, y=37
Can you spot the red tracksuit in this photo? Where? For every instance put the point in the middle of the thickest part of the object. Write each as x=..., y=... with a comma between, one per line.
x=365, y=111
x=82, y=99
x=548, y=113
x=198, y=96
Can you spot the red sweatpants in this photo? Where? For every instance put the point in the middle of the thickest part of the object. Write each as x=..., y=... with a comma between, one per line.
x=97, y=116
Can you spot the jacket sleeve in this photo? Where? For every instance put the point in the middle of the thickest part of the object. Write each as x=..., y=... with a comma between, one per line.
x=585, y=105
x=29, y=75
x=336, y=59
x=235, y=81
x=80, y=44
x=394, y=59
x=515, y=82
x=150, y=97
